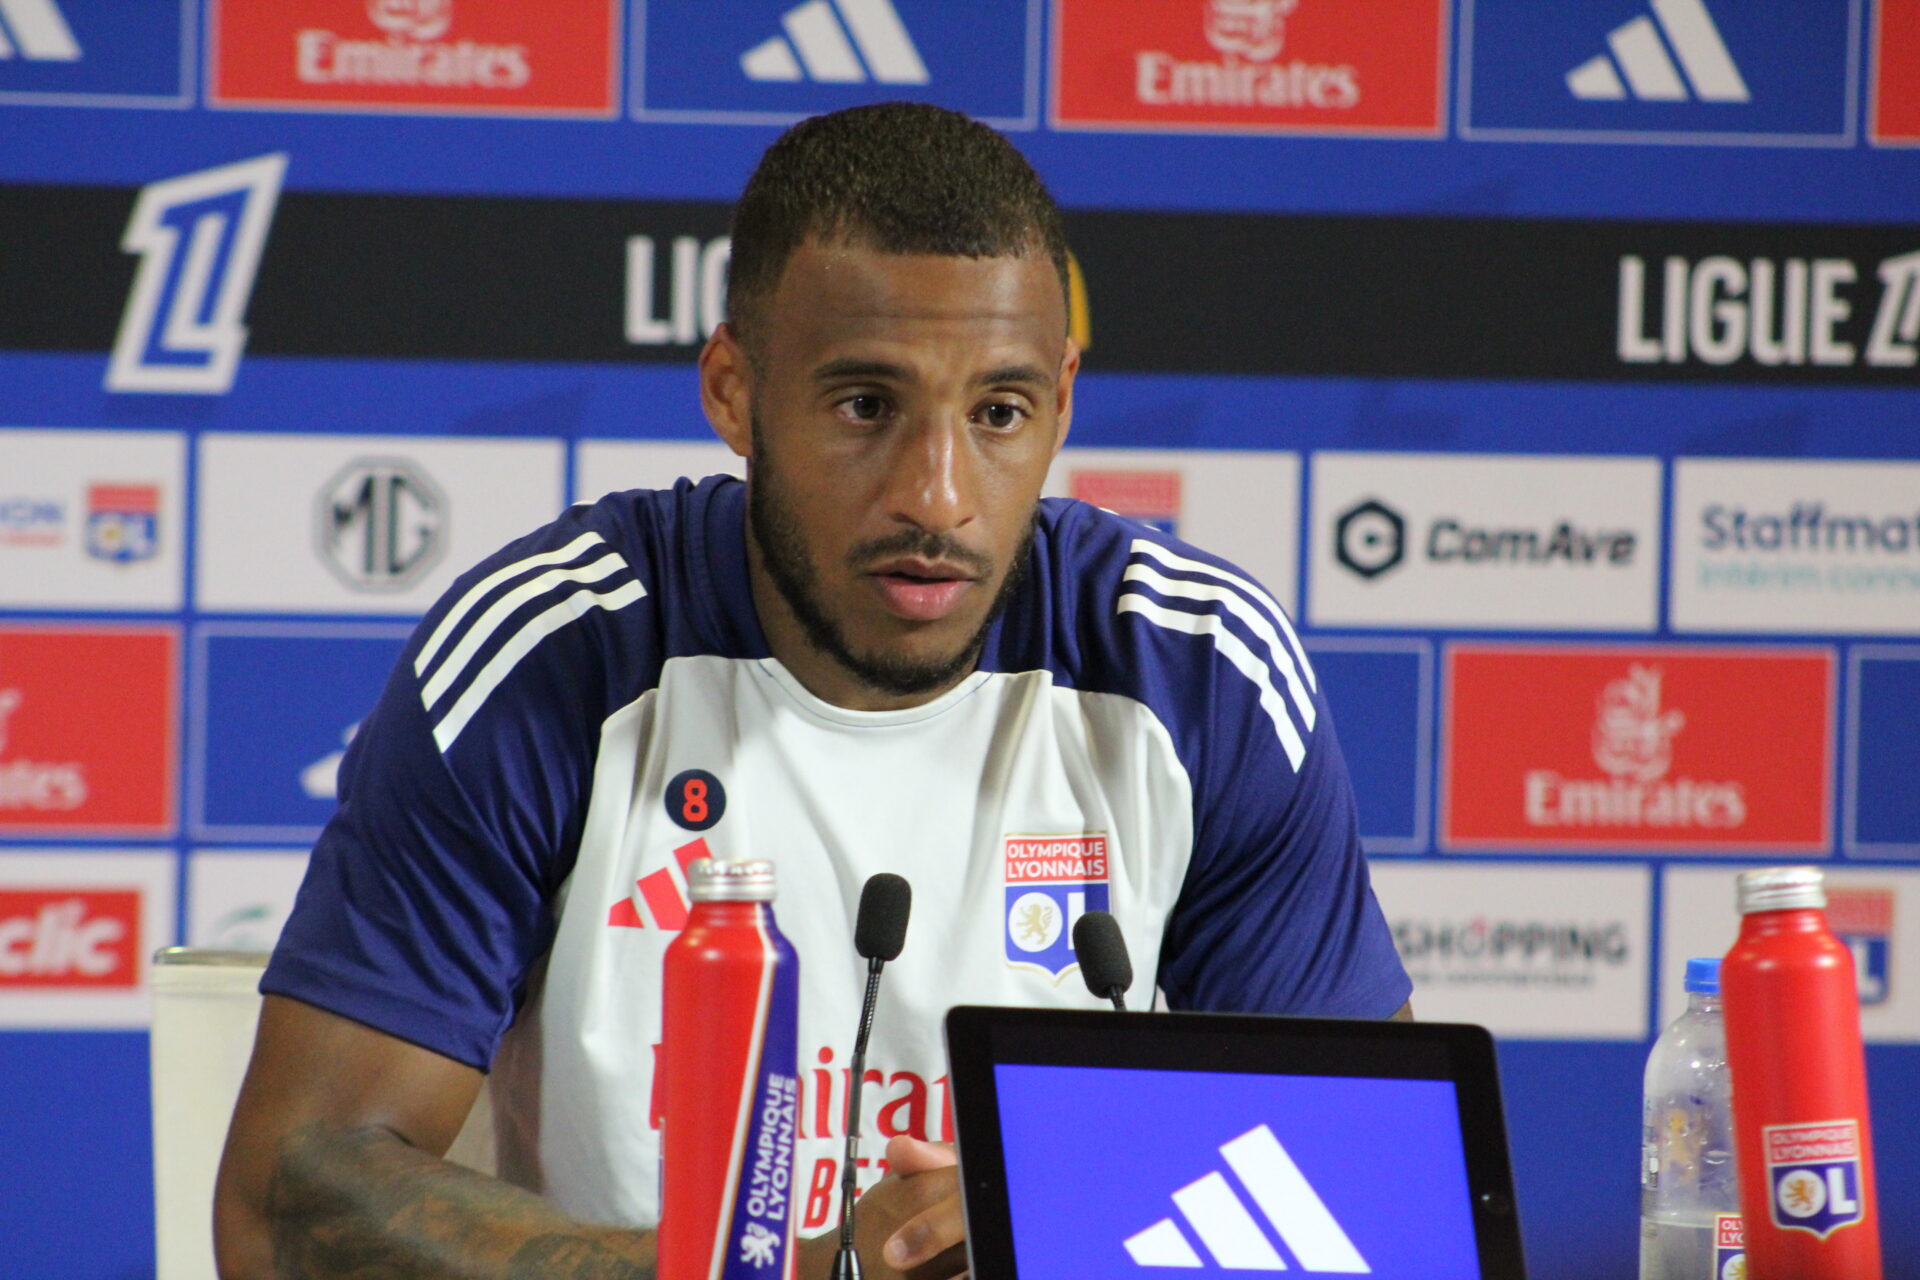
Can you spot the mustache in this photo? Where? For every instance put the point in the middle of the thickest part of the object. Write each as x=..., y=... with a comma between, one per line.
x=923, y=545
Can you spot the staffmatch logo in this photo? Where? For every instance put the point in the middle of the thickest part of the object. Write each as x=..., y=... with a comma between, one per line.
x=1578, y=747
x=1300, y=66
x=1051, y=881
x=199, y=238
x=433, y=56
x=1225, y=1225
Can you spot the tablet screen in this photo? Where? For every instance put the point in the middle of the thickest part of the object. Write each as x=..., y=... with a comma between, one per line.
x=1131, y=1172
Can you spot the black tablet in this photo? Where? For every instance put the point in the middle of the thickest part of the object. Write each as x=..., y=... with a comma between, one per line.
x=1096, y=1146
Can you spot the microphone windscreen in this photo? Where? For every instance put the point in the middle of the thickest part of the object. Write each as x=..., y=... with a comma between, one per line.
x=1102, y=953
x=880, y=930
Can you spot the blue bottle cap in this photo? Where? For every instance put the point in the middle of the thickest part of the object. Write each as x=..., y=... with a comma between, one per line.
x=1703, y=976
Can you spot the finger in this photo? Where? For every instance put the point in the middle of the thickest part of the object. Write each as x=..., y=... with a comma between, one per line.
x=926, y=1235
x=909, y=1156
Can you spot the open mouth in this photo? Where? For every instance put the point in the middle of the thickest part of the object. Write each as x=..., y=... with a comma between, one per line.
x=921, y=593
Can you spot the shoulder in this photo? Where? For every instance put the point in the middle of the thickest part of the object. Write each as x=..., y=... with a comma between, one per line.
x=1140, y=613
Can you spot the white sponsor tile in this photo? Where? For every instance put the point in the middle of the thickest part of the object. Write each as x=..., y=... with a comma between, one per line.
x=238, y=899
x=91, y=519
x=360, y=524
x=1489, y=542
x=1698, y=918
x=1778, y=545
x=68, y=958
x=1525, y=950
x=601, y=467
x=1241, y=504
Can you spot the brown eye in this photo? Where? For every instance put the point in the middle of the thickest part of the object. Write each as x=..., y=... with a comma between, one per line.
x=1001, y=416
x=865, y=408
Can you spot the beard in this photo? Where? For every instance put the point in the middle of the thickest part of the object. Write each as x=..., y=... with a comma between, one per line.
x=784, y=553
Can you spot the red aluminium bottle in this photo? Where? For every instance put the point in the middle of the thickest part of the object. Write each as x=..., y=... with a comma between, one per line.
x=728, y=1087
x=1800, y=1121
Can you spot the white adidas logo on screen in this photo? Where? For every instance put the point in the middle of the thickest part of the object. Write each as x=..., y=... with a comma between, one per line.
x=1227, y=1227
x=37, y=31
x=826, y=53
x=1650, y=74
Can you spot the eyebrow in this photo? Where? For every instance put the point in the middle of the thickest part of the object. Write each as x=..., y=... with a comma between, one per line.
x=881, y=370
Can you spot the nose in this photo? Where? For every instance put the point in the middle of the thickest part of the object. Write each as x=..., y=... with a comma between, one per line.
x=933, y=482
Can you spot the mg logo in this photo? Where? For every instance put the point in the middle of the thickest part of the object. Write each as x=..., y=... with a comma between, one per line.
x=37, y=31
x=1225, y=1225
x=199, y=239
x=382, y=524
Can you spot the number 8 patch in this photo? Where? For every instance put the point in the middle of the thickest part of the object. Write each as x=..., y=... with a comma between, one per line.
x=695, y=799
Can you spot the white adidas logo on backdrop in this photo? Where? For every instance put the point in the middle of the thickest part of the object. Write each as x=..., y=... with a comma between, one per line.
x=826, y=43
x=1227, y=1227
x=37, y=31
x=1651, y=75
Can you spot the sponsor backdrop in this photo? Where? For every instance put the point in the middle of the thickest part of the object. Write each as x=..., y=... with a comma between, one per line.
x=1557, y=364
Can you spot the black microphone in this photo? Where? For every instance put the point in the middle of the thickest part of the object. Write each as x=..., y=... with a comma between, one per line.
x=1103, y=957
x=879, y=931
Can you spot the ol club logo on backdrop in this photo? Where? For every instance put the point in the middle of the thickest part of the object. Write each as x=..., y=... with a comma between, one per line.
x=1575, y=746
x=1051, y=881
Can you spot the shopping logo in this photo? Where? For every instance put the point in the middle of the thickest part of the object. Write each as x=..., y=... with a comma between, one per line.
x=37, y=31
x=825, y=45
x=1651, y=76
x=199, y=238
x=1218, y=1215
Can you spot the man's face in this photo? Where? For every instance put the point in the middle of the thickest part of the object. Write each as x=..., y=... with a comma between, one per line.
x=900, y=415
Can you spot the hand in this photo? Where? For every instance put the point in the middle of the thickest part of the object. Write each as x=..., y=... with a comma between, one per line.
x=908, y=1224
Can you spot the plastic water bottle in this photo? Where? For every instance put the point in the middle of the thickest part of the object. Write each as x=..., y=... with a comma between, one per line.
x=1689, y=1198
x=1793, y=1041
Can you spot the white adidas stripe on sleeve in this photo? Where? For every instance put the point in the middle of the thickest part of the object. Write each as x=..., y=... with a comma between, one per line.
x=1239, y=608
x=1173, y=560
x=497, y=614
x=1235, y=650
x=480, y=589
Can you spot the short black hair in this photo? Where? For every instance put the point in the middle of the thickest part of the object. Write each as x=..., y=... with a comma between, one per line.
x=901, y=177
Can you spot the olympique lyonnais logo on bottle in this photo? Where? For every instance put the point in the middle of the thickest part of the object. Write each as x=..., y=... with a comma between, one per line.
x=1729, y=1247
x=69, y=938
x=489, y=55
x=1814, y=1172
x=1051, y=881
x=1151, y=497
x=1306, y=65
x=1578, y=746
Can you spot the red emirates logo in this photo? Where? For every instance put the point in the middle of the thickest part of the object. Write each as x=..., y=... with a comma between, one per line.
x=87, y=730
x=1583, y=747
x=69, y=938
x=554, y=58
x=1309, y=66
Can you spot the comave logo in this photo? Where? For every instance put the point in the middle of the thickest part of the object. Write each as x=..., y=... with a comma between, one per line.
x=827, y=55
x=37, y=31
x=1227, y=1227
x=1650, y=74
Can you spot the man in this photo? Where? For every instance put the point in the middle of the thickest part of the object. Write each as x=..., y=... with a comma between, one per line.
x=880, y=653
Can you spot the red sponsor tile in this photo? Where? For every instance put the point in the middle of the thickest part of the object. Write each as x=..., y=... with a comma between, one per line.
x=1895, y=111
x=1307, y=66
x=554, y=58
x=87, y=730
x=1130, y=493
x=1584, y=747
x=78, y=938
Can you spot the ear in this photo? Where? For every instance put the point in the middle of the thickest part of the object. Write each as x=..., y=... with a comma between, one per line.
x=726, y=389
x=1063, y=390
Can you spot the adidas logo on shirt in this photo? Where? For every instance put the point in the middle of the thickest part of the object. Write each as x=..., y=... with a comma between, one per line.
x=37, y=31
x=1651, y=76
x=824, y=35
x=1215, y=1213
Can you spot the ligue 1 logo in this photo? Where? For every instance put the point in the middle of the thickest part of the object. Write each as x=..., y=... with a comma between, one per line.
x=1814, y=1172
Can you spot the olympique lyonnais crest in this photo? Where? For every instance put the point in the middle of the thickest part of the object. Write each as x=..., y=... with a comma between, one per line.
x=1051, y=882
x=123, y=522
x=1814, y=1171
x=1729, y=1248
x=1862, y=918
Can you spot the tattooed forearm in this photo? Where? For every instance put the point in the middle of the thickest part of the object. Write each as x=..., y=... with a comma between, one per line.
x=361, y=1204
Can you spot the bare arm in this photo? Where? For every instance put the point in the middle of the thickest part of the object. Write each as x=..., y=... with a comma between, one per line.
x=333, y=1169
x=1403, y=1014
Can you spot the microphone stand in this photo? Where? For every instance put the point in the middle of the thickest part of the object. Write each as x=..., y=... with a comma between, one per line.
x=846, y=1263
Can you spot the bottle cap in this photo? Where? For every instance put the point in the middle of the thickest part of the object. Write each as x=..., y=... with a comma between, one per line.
x=1781, y=889
x=716, y=880
x=1703, y=976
